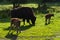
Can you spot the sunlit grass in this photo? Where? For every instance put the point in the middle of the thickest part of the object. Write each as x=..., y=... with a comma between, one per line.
x=38, y=32
x=40, y=29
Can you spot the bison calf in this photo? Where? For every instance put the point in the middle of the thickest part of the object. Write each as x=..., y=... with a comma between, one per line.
x=48, y=18
x=15, y=24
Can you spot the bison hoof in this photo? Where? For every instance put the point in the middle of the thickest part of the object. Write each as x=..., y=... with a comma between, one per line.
x=33, y=24
x=49, y=23
x=45, y=23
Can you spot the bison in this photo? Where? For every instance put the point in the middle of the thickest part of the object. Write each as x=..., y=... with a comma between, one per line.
x=15, y=24
x=24, y=13
x=48, y=18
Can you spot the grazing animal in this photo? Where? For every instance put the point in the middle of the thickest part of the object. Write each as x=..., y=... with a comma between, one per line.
x=25, y=13
x=48, y=18
x=15, y=24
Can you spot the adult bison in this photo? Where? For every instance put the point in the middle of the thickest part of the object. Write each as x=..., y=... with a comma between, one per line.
x=25, y=13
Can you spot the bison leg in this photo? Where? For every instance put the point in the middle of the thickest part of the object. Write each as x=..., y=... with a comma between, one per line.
x=33, y=19
x=28, y=21
x=24, y=21
x=17, y=25
x=45, y=21
x=49, y=21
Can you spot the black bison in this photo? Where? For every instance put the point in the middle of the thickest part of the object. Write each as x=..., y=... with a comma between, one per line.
x=25, y=13
x=48, y=17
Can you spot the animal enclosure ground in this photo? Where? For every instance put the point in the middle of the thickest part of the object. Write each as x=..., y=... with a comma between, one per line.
x=38, y=32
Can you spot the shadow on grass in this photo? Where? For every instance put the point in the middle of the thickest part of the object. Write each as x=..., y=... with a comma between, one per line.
x=14, y=37
x=11, y=36
x=25, y=27
x=21, y=27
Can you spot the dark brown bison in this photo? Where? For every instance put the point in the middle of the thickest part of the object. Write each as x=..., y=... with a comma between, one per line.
x=48, y=18
x=25, y=13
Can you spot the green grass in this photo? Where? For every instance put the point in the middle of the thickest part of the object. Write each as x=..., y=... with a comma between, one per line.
x=38, y=32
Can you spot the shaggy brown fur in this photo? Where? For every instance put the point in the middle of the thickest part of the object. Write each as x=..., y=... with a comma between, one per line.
x=15, y=24
x=48, y=18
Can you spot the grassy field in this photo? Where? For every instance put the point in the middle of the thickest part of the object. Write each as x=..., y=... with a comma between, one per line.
x=38, y=32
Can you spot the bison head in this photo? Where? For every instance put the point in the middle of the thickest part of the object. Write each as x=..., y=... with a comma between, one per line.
x=33, y=19
x=52, y=14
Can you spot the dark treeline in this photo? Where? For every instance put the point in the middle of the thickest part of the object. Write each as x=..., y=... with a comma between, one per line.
x=42, y=8
x=24, y=1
